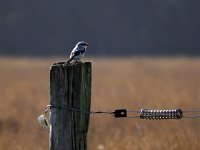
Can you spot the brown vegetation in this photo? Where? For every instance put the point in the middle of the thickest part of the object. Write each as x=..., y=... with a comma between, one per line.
x=133, y=83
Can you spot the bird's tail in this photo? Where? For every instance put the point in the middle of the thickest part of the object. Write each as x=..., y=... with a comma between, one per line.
x=70, y=60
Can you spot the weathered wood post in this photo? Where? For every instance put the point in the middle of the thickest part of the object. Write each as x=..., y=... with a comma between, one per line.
x=70, y=99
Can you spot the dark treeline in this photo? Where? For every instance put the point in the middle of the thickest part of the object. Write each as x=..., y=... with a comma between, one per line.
x=111, y=27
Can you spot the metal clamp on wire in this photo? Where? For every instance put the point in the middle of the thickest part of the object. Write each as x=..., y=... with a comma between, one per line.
x=118, y=113
x=122, y=113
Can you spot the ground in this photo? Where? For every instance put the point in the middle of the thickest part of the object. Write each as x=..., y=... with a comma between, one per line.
x=132, y=83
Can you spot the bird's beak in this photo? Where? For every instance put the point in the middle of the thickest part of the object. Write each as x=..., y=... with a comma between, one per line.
x=87, y=44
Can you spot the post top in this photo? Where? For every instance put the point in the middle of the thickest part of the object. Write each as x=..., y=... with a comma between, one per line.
x=71, y=64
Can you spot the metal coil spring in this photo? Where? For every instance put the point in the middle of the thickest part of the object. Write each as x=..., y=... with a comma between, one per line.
x=161, y=114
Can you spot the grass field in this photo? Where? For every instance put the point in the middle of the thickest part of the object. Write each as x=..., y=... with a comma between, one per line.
x=132, y=83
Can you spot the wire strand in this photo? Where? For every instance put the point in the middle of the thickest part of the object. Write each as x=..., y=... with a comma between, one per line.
x=191, y=116
x=190, y=111
x=120, y=113
x=101, y=112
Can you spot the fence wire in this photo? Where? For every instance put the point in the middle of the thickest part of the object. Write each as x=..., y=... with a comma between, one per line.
x=148, y=114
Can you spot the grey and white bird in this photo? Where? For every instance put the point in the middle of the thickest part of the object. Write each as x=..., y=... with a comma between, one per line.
x=78, y=51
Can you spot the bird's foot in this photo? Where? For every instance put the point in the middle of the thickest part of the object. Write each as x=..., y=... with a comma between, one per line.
x=66, y=63
x=76, y=62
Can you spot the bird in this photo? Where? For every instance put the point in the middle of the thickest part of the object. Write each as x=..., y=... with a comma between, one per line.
x=78, y=52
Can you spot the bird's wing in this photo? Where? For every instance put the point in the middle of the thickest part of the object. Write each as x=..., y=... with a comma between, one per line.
x=72, y=53
x=76, y=53
x=80, y=52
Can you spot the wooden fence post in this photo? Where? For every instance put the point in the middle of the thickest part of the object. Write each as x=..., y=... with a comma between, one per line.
x=70, y=99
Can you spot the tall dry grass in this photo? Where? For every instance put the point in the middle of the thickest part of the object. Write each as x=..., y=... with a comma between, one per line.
x=133, y=83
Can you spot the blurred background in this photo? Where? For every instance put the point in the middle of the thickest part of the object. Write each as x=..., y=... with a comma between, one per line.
x=144, y=54
x=111, y=27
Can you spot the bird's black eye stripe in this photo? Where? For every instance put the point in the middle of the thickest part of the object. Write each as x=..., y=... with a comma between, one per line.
x=83, y=44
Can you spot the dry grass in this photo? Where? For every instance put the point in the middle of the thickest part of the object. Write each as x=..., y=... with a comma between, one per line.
x=132, y=83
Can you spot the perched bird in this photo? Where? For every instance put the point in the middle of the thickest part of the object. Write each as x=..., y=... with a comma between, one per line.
x=78, y=51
